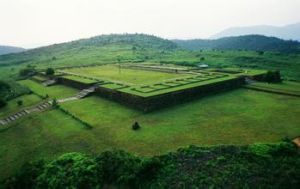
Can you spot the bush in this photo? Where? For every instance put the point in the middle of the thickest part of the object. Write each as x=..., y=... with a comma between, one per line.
x=71, y=170
x=50, y=71
x=118, y=167
x=27, y=72
x=54, y=103
x=272, y=77
x=20, y=102
x=26, y=177
x=136, y=126
x=2, y=103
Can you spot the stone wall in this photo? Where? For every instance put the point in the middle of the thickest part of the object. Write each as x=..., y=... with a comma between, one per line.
x=152, y=103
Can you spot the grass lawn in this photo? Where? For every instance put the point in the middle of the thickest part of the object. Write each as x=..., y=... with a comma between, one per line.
x=130, y=76
x=12, y=105
x=80, y=79
x=237, y=117
x=55, y=91
x=42, y=135
x=285, y=86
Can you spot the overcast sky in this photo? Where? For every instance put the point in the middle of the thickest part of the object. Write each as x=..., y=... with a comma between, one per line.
x=32, y=23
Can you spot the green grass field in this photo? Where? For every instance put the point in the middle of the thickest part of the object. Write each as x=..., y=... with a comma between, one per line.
x=285, y=86
x=125, y=75
x=12, y=105
x=56, y=91
x=237, y=117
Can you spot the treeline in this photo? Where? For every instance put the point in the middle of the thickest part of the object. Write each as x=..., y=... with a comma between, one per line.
x=10, y=89
x=253, y=166
x=247, y=42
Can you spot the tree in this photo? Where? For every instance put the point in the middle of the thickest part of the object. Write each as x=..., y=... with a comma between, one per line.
x=28, y=71
x=272, y=77
x=50, y=71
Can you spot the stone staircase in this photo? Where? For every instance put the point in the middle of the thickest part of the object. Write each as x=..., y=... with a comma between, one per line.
x=22, y=113
x=44, y=106
x=86, y=92
x=49, y=82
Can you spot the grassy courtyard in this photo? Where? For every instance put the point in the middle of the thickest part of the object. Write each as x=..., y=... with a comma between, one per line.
x=125, y=75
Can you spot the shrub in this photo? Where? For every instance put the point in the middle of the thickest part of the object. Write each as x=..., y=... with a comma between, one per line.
x=71, y=170
x=27, y=72
x=2, y=103
x=50, y=71
x=118, y=166
x=54, y=103
x=136, y=126
x=26, y=177
x=20, y=102
x=272, y=77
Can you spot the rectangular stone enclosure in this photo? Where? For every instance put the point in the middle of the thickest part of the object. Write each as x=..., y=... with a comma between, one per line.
x=151, y=86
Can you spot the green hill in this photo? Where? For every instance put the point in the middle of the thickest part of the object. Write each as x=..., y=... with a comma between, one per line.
x=247, y=42
x=104, y=48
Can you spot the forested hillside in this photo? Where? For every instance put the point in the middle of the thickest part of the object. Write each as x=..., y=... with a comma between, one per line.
x=248, y=42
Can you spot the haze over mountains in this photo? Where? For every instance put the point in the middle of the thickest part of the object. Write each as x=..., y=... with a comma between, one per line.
x=10, y=49
x=288, y=32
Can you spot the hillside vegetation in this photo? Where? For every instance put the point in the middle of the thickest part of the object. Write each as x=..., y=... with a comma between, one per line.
x=253, y=166
x=146, y=48
x=247, y=42
x=104, y=47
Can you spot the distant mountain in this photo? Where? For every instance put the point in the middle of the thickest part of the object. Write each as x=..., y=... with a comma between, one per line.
x=248, y=42
x=10, y=49
x=289, y=32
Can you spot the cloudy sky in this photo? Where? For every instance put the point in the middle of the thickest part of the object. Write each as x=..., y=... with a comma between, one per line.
x=32, y=23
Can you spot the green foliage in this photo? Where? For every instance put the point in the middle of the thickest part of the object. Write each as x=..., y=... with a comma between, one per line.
x=72, y=170
x=118, y=166
x=2, y=103
x=272, y=77
x=258, y=166
x=54, y=103
x=27, y=72
x=50, y=71
x=27, y=176
x=10, y=89
x=20, y=102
